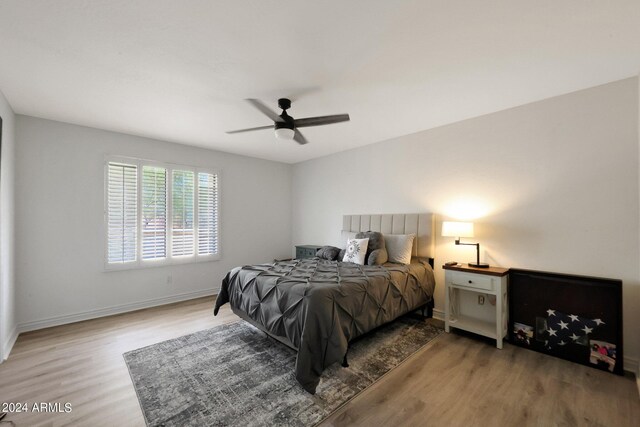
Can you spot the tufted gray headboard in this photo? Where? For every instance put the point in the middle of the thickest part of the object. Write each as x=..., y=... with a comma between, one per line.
x=423, y=225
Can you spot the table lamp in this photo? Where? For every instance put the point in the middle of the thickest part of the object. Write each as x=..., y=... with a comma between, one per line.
x=463, y=229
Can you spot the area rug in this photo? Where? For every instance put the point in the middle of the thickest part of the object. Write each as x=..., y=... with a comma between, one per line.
x=235, y=375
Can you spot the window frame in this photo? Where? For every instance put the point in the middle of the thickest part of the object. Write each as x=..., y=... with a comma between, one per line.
x=169, y=258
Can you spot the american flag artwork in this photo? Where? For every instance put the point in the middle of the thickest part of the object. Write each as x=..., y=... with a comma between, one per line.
x=576, y=318
x=563, y=329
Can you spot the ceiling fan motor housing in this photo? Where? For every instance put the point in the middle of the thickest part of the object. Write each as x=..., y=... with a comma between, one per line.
x=287, y=123
x=284, y=103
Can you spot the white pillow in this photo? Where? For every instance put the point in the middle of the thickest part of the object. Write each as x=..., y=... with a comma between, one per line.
x=356, y=251
x=399, y=247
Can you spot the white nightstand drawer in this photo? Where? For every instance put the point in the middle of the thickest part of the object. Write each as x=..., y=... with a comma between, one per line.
x=472, y=281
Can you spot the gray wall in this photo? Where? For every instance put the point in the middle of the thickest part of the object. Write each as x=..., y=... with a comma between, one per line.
x=60, y=274
x=551, y=185
x=8, y=331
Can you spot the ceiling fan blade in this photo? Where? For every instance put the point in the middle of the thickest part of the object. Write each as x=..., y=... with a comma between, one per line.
x=250, y=129
x=321, y=120
x=264, y=109
x=299, y=138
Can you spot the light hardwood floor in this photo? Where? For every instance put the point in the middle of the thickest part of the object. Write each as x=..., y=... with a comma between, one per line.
x=454, y=381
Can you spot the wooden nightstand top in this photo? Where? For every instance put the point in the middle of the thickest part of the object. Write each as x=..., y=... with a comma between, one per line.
x=491, y=271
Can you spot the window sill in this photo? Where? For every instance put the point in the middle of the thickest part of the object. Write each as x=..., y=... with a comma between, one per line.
x=140, y=265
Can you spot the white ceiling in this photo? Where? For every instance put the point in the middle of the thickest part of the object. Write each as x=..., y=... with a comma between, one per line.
x=179, y=70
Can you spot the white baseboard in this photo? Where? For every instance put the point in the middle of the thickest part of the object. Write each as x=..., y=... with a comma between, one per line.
x=109, y=311
x=8, y=345
x=438, y=314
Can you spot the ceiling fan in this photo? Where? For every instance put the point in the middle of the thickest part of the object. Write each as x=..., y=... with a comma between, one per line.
x=286, y=127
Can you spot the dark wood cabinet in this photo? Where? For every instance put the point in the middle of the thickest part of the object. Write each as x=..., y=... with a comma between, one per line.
x=306, y=251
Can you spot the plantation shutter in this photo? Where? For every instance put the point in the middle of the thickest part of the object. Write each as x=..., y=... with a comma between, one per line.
x=154, y=212
x=207, y=213
x=182, y=200
x=122, y=212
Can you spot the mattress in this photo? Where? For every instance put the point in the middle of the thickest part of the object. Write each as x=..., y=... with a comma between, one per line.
x=317, y=307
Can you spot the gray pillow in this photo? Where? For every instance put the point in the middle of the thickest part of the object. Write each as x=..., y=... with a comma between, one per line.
x=376, y=243
x=341, y=254
x=328, y=252
x=377, y=257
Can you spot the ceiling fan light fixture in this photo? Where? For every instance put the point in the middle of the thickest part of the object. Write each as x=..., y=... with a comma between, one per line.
x=285, y=133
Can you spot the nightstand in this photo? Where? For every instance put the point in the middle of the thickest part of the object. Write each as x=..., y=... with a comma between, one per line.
x=306, y=251
x=467, y=290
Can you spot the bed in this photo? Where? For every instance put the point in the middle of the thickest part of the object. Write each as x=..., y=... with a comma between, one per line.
x=317, y=307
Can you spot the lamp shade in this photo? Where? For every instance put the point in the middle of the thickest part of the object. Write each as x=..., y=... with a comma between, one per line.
x=284, y=133
x=457, y=229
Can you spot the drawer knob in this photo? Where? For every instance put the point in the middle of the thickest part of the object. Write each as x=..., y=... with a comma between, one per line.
x=470, y=281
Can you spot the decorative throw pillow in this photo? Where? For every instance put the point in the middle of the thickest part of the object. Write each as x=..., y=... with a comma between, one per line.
x=377, y=257
x=376, y=243
x=399, y=247
x=356, y=251
x=328, y=252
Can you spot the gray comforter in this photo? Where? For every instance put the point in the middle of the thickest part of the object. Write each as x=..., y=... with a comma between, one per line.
x=319, y=306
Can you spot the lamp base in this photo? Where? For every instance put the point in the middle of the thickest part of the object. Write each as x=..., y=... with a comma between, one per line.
x=479, y=265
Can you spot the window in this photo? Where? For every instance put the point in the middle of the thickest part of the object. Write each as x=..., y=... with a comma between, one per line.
x=154, y=212
x=207, y=213
x=159, y=213
x=123, y=212
x=182, y=232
